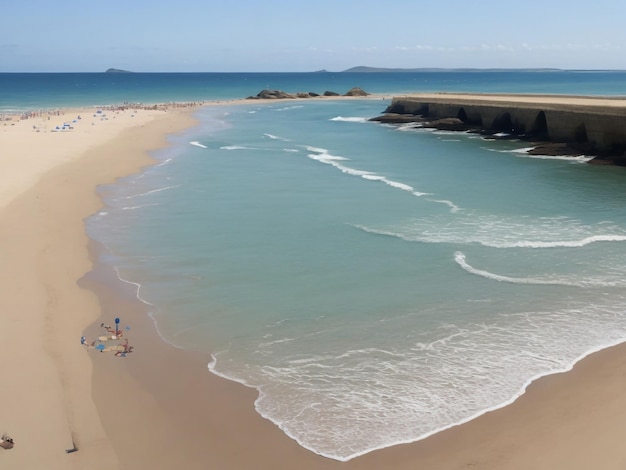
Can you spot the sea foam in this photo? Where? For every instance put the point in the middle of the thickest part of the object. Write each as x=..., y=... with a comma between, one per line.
x=350, y=119
x=195, y=143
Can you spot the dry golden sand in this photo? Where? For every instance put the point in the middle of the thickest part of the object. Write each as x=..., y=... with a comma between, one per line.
x=47, y=188
x=159, y=408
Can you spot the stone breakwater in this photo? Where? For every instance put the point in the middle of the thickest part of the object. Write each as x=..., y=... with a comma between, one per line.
x=557, y=125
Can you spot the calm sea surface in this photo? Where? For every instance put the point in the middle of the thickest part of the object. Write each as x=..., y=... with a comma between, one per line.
x=376, y=284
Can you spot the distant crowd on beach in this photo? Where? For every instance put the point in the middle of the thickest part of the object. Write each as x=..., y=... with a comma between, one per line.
x=159, y=106
x=47, y=114
x=43, y=113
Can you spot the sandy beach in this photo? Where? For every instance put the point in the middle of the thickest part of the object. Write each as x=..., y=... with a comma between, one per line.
x=156, y=408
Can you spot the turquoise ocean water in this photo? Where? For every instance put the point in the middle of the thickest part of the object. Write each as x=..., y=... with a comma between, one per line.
x=375, y=283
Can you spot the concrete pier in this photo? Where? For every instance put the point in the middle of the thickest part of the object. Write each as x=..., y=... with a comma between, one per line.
x=598, y=122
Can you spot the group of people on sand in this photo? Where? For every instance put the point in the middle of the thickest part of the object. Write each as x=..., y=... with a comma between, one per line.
x=120, y=349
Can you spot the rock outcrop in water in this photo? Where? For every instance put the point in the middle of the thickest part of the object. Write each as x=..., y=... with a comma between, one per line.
x=356, y=91
x=279, y=94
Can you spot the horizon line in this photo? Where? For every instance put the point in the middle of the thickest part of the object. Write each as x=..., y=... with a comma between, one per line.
x=357, y=69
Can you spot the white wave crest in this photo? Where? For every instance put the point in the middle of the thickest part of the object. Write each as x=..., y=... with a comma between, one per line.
x=289, y=108
x=140, y=206
x=395, y=184
x=567, y=158
x=326, y=158
x=412, y=126
x=316, y=149
x=236, y=147
x=569, y=243
x=132, y=283
x=374, y=177
x=467, y=227
x=275, y=137
x=152, y=191
x=459, y=258
x=322, y=155
x=523, y=153
x=167, y=161
x=453, y=207
x=197, y=144
x=349, y=119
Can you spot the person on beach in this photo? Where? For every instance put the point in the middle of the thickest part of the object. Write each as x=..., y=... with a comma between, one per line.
x=6, y=442
x=111, y=330
x=127, y=349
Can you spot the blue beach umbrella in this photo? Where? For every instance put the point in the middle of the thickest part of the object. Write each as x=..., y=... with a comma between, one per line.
x=100, y=347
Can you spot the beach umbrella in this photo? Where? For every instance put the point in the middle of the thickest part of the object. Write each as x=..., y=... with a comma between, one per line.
x=100, y=347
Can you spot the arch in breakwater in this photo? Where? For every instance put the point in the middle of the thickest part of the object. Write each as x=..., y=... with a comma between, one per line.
x=540, y=125
x=503, y=123
x=580, y=133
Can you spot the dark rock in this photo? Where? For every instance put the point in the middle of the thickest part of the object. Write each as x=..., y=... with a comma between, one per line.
x=279, y=94
x=619, y=160
x=356, y=91
x=556, y=149
x=393, y=118
x=272, y=95
x=448, y=124
x=398, y=108
x=600, y=161
x=445, y=124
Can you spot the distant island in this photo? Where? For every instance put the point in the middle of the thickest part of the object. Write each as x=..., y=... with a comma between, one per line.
x=361, y=69
x=117, y=71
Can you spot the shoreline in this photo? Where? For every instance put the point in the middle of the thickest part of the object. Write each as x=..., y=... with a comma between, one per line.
x=162, y=408
x=9, y=118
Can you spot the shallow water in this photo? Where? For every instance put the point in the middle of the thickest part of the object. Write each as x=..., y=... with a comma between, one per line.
x=364, y=276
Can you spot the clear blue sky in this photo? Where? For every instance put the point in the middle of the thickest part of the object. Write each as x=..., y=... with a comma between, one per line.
x=299, y=35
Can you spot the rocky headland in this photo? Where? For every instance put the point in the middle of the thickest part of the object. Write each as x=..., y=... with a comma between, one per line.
x=279, y=94
x=112, y=70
